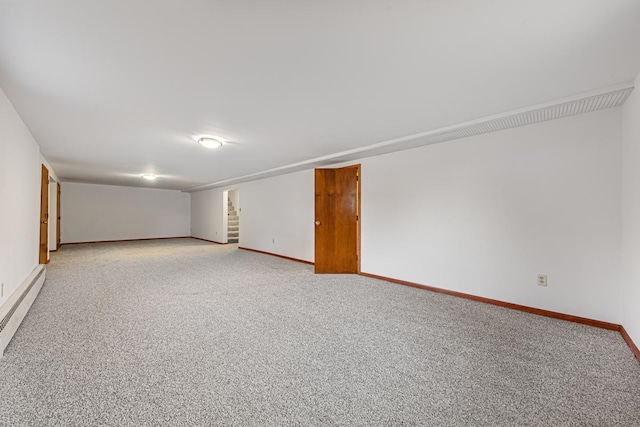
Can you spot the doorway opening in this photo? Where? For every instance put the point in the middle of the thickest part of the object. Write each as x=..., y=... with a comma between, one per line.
x=337, y=223
x=54, y=215
x=233, y=216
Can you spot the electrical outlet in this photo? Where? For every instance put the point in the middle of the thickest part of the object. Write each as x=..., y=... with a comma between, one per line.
x=542, y=280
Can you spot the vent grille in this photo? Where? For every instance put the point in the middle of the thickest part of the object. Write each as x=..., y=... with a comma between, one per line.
x=5, y=320
x=543, y=114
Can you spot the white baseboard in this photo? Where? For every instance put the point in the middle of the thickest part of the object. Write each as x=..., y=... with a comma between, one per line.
x=16, y=307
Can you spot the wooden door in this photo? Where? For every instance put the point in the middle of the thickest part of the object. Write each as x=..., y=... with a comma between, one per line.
x=44, y=216
x=337, y=224
x=58, y=217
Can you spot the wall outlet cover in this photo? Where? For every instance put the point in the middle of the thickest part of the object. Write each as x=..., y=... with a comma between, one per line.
x=542, y=280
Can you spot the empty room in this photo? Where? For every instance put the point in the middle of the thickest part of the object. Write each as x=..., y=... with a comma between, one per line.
x=336, y=213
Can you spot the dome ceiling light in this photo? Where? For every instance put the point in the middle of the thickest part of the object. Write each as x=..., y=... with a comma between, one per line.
x=211, y=143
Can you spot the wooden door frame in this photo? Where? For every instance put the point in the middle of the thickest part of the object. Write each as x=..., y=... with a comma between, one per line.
x=43, y=256
x=359, y=212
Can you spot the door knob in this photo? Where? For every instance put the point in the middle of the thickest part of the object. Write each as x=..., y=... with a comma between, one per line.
x=317, y=222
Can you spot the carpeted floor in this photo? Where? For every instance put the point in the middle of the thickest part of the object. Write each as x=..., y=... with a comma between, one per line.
x=181, y=332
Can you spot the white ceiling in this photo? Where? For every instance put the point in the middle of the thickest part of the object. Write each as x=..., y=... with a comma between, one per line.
x=113, y=89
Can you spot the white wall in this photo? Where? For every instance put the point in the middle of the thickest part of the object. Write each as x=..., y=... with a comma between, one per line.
x=234, y=195
x=207, y=212
x=631, y=214
x=20, y=195
x=484, y=215
x=103, y=212
x=53, y=213
x=276, y=216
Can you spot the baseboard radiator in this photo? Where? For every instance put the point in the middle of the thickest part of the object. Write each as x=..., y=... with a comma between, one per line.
x=16, y=307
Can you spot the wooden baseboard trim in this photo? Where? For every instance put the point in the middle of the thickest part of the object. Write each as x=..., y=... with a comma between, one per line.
x=125, y=240
x=210, y=241
x=630, y=343
x=546, y=313
x=526, y=309
x=279, y=256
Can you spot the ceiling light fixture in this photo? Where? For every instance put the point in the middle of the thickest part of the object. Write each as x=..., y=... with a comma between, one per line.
x=149, y=176
x=211, y=143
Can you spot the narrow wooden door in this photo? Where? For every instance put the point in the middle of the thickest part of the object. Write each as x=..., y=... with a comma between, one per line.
x=44, y=216
x=337, y=220
x=58, y=217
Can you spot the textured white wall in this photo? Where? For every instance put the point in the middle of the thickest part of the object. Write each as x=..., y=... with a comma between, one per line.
x=207, y=212
x=20, y=195
x=631, y=214
x=484, y=215
x=104, y=212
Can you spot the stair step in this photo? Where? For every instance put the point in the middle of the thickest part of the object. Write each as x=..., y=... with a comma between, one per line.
x=232, y=235
x=233, y=223
x=233, y=229
x=233, y=218
x=232, y=213
x=232, y=240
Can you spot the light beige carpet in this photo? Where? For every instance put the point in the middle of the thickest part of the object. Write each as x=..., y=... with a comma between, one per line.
x=181, y=332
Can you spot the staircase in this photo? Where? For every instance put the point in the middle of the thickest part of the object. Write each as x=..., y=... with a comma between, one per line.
x=233, y=225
